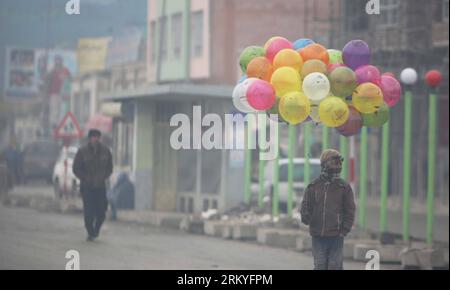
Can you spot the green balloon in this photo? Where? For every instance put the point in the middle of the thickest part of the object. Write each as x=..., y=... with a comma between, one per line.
x=275, y=111
x=248, y=54
x=343, y=82
x=377, y=119
x=335, y=56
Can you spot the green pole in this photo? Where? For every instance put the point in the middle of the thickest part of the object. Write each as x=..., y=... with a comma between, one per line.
x=276, y=177
x=262, y=138
x=362, y=178
x=432, y=112
x=291, y=169
x=384, y=176
x=343, y=148
x=248, y=160
x=407, y=164
x=307, y=153
x=325, y=138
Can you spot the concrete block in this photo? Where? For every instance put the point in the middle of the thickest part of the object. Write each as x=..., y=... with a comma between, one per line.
x=349, y=246
x=213, y=228
x=424, y=259
x=303, y=243
x=227, y=231
x=244, y=231
x=388, y=253
x=192, y=226
x=287, y=239
x=266, y=236
x=359, y=233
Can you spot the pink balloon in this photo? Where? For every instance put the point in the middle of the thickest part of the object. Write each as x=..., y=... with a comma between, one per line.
x=276, y=46
x=353, y=125
x=391, y=88
x=368, y=74
x=261, y=95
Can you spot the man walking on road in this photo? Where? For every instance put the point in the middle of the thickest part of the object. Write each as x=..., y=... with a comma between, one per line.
x=328, y=207
x=93, y=166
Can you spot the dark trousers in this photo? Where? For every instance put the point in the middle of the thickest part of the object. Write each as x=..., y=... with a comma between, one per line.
x=95, y=205
x=328, y=253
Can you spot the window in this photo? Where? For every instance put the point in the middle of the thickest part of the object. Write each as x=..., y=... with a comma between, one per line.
x=389, y=10
x=153, y=39
x=176, y=35
x=356, y=17
x=197, y=34
x=163, y=37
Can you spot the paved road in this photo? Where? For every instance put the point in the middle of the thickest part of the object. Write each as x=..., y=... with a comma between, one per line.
x=35, y=240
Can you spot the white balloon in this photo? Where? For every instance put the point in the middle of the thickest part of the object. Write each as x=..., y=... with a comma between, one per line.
x=409, y=76
x=240, y=96
x=316, y=86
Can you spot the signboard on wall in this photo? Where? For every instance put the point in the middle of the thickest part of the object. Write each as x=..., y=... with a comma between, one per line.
x=91, y=54
x=30, y=71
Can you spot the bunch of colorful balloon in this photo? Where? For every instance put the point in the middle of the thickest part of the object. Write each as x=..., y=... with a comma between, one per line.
x=303, y=81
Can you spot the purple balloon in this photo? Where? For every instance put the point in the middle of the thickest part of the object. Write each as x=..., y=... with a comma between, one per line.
x=368, y=74
x=392, y=89
x=353, y=125
x=356, y=53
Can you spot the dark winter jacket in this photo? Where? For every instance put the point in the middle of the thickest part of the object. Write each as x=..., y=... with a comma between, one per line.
x=93, y=166
x=328, y=207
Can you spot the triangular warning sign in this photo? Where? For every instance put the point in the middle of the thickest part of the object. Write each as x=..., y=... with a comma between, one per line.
x=69, y=127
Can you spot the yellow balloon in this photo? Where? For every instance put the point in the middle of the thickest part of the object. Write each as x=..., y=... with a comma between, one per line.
x=286, y=80
x=294, y=107
x=288, y=57
x=367, y=98
x=333, y=112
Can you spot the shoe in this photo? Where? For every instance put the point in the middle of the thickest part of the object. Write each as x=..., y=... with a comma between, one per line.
x=90, y=238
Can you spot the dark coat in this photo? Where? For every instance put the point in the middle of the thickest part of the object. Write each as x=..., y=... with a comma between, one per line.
x=328, y=207
x=93, y=166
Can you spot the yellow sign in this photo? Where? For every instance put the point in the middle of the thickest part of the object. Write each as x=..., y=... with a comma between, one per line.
x=91, y=54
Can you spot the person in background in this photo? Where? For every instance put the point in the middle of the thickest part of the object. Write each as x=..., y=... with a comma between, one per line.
x=93, y=166
x=328, y=207
x=121, y=195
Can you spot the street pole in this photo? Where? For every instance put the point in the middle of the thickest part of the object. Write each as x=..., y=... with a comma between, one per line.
x=307, y=153
x=407, y=164
x=291, y=168
x=432, y=112
x=363, y=178
x=343, y=148
x=262, y=140
x=276, y=177
x=248, y=160
x=384, y=176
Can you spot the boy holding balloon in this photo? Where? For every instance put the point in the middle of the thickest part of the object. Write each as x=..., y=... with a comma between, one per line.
x=328, y=208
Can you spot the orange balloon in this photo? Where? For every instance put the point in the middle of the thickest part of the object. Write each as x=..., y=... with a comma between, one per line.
x=313, y=65
x=261, y=68
x=315, y=51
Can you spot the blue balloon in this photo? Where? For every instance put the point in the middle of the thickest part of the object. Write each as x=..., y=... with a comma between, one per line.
x=302, y=42
x=242, y=79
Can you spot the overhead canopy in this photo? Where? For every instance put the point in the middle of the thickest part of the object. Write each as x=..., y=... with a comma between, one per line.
x=176, y=91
